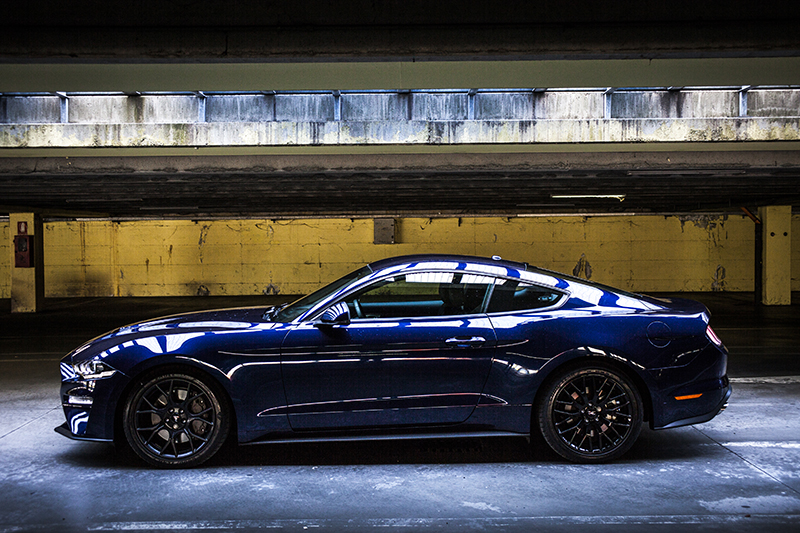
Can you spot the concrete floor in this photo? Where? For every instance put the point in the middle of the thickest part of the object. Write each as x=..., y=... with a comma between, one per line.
x=739, y=472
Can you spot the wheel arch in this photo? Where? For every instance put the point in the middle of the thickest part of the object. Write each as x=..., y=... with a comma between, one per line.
x=588, y=357
x=176, y=364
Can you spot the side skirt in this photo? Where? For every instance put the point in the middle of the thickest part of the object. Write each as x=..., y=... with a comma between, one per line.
x=408, y=436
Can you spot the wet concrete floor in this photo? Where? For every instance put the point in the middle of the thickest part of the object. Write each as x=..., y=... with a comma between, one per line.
x=739, y=472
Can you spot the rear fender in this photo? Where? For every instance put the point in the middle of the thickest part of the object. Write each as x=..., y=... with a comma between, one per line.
x=586, y=356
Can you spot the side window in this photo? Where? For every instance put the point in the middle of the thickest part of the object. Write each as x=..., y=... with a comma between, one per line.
x=421, y=294
x=518, y=296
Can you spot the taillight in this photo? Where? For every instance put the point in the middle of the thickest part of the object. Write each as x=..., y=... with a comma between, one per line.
x=713, y=336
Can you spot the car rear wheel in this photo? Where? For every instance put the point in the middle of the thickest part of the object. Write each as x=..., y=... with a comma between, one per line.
x=176, y=419
x=590, y=415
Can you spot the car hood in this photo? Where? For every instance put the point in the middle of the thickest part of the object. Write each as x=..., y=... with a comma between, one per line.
x=216, y=319
x=177, y=328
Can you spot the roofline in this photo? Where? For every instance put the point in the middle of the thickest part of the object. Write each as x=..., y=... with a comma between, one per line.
x=422, y=258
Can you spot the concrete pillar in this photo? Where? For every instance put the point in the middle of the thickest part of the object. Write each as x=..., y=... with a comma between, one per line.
x=27, y=284
x=777, y=255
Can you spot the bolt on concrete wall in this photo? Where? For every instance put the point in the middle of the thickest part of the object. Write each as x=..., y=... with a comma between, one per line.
x=233, y=257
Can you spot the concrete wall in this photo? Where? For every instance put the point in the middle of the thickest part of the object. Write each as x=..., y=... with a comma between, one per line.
x=401, y=106
x=397, y=117
x=232, y=257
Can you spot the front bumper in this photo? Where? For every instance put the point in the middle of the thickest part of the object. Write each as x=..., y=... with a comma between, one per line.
x=64, y=430
x=89, y=406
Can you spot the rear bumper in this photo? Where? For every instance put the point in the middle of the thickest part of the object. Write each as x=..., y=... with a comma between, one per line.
x=705, y=417
x=691, y=393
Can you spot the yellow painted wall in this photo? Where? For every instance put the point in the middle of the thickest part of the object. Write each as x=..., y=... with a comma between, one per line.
x=795, y=252
x=233, y=257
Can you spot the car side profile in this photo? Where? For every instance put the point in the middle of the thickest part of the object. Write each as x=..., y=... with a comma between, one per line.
x=421, y=346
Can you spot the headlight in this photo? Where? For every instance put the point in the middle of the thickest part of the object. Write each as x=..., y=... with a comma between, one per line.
x=93, y=369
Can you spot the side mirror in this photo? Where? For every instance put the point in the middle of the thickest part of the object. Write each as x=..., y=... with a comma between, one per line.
x=336, y=315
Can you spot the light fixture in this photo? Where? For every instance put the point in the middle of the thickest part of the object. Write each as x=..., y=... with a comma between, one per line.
x=619, y=197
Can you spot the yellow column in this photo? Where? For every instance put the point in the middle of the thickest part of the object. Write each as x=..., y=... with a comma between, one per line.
x=27, y=283
x=777, y=255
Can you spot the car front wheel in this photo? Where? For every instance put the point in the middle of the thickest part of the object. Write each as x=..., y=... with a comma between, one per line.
x=176, y=419
x=590, y=415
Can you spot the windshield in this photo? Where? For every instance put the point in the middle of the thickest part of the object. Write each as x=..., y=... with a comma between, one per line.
x=294, y=310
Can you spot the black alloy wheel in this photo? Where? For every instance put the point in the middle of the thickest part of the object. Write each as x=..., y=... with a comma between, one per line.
x=590, y=415
x=176, y=420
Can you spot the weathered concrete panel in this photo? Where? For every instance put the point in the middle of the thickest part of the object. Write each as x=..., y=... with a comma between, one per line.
x=30, y=109
x=645, y=104
x=240, y=108
x=439, y=106
x=304, y=107
x=773, y=103
x=498, y=106
x=170, y=109
x=376, y=106
x=151, y=109
x=569, y=105
x=675, y=104
x=105, y=110
x=708, y=104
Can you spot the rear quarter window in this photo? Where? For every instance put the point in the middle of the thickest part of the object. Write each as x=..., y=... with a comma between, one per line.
x=516, y=296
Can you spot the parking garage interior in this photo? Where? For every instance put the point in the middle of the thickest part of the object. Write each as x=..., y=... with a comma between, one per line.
x=162, y=157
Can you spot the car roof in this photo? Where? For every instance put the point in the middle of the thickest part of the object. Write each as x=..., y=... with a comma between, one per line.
x=439, y=258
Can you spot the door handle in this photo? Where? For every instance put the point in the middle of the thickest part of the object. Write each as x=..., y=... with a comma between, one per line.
x=465, y=342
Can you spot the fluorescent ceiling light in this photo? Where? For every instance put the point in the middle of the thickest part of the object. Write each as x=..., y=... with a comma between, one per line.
x=619, y=197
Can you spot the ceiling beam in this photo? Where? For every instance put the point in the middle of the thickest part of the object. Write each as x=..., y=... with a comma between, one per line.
x=296, y=76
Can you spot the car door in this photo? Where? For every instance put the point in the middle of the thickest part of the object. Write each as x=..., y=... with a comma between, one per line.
x=416, y=351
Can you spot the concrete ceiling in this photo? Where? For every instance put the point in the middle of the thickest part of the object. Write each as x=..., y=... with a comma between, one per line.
x=404, y=184
x=304, y=45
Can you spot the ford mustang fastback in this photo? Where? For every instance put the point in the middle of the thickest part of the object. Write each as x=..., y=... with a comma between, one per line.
x=427, y=346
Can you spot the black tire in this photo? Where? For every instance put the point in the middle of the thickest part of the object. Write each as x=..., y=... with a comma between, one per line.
x=590, y=415
x=176, y=419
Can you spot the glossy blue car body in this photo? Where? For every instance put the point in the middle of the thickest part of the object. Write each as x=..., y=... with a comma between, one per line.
x=337, y=365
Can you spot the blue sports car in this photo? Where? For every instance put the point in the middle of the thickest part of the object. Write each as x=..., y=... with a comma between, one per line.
x=421, y=346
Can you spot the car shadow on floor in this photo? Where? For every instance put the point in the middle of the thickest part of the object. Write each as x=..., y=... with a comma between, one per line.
x=670, y=445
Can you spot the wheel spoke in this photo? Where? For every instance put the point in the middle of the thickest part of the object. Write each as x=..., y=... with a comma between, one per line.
x=195, y=436
x=198, y=417
x=200, y=394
